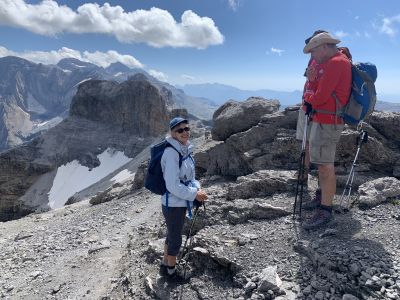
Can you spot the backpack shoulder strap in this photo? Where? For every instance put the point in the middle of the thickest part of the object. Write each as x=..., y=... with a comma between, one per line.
x=180, y=155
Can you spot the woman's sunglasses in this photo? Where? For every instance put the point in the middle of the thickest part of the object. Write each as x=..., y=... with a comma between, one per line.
x=181, y=130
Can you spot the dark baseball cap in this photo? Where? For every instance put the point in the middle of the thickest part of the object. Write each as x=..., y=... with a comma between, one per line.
x=176, y=121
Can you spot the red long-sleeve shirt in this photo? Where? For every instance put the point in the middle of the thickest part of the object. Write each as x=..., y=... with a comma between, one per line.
x=335, y=77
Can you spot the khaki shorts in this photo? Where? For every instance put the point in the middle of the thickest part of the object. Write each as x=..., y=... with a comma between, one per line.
x=301, y=120
x=323, y=140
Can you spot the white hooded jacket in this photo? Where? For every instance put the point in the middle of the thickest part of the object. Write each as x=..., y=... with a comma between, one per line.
x=179, y=193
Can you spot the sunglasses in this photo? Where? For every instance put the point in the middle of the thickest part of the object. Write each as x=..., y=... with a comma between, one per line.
x=181, y=130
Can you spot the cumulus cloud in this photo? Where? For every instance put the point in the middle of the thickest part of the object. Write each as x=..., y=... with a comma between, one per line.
x=277, y=51
x=389, y=25
x=155, y=27
x=102, y=59
x=340, y=34
x=159, y=75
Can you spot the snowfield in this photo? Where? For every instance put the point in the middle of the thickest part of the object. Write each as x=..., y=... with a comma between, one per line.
x=73, y=177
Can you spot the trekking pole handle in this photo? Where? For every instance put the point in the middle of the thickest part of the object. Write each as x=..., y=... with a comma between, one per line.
x=362, y=138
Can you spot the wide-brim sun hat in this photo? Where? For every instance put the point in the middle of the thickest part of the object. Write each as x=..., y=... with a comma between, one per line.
x=320, y=39
x=176, y=121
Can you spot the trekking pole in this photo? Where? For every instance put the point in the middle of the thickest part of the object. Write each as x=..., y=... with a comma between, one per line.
x=362, y=138
x=186, y=249
x=300, y=175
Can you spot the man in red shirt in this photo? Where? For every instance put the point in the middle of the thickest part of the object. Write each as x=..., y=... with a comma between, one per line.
x=332, y=90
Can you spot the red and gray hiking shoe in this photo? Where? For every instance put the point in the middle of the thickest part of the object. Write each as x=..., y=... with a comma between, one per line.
x=314, y=202
x=321, y=217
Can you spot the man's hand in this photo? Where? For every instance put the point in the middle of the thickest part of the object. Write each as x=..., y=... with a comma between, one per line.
x=311, y=73
x=308, y=107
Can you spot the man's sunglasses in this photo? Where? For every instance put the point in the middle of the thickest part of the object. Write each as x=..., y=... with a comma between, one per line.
x=181, y=130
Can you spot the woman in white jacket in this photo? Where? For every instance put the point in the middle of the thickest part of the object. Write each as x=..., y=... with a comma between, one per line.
x=182, y=190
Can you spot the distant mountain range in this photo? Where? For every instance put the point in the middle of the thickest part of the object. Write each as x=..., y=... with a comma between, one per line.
x=217, y=94
x=387, y=106
x=220, y=93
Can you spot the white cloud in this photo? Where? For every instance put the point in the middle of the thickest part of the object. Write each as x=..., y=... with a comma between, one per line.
x=155, y=27
x=233, y=4
x=159, y=75
x=103, y=59
x=389, y=25
x=277, y=51
x=340, y=34
x=188, y=77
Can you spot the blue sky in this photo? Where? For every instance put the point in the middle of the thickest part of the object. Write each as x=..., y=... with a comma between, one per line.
x=250, y=44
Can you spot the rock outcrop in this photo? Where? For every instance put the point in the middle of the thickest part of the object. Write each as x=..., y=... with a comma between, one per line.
x=270, y=144
x=135, y=105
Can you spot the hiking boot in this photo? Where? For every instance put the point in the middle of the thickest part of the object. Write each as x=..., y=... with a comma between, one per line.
x=314, y=202
x=177, y=276
x=163, y=270
x=320, y=218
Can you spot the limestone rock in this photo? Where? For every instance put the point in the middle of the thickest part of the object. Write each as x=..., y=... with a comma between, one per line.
x=269, y=279
x=261, y=184
x=248, y=112
x=374, y=192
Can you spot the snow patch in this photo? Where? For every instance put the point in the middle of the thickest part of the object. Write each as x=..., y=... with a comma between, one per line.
x=123, y=176
x=46, y=125
x=73, y=177
x=82, y=81
x=117, y=74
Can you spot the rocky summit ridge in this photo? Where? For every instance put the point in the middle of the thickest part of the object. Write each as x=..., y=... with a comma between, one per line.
x=245, y=245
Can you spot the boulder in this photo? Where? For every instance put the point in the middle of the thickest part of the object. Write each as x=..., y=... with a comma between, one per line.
x=262, y=183
x=377, y=191
x=387, y=124
x=248, y=112
x=269, y=144
x=140, y=175
x=269, y=280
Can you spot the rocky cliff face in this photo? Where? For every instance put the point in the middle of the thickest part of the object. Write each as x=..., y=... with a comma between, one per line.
x=125, y=117
x=134, y=105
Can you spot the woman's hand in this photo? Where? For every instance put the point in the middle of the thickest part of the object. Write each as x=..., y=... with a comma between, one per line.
x=201, y=196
